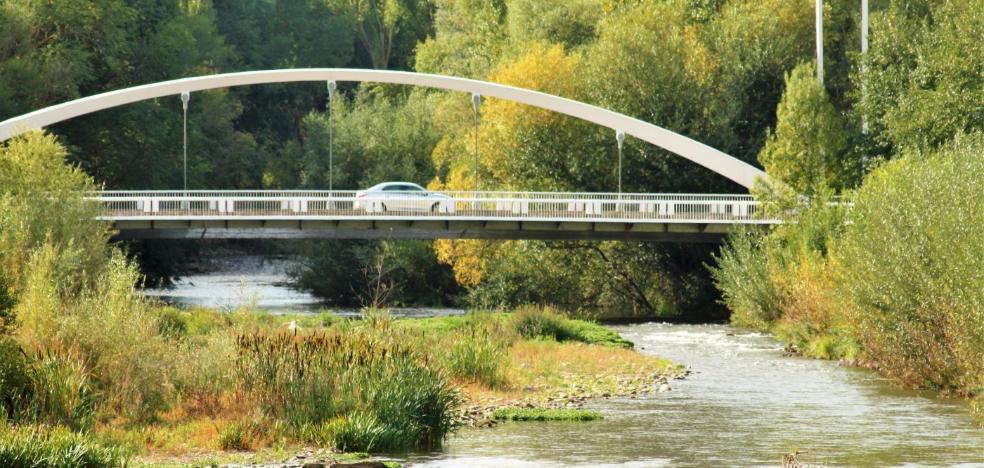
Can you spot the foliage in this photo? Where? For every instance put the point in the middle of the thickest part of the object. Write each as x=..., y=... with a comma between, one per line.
x=807, y=150
x=41, y=205
x=920, y=84
x=910, y=266
x=15, y=382
x=40, y=447
x=533, y=414
x=743, y=273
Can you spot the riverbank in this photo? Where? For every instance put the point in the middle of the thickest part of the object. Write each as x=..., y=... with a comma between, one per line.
x=248, y=404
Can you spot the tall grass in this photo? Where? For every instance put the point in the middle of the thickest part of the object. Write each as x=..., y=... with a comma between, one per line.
x=546, y=322
x=333, y=386
x=54, y=448
x=477, y=352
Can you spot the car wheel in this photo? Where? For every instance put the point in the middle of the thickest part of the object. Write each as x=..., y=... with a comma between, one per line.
x=383, y=206
x=435, y=207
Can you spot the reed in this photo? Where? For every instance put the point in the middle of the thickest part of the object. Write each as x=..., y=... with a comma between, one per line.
x=331, y=386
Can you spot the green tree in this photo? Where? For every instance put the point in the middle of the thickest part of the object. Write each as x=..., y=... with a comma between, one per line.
x=468, y=38
x=569, y=22
x=808, y=149
x=379, y=24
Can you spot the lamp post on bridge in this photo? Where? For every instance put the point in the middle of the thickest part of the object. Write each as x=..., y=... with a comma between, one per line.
x=476, y=103
x=620, y=138
x=185, y=97
x=331, y=136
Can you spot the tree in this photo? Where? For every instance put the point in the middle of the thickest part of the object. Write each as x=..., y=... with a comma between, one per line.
x=378, y=24
x=468, y=38
x=42, y=206
x=808, y=148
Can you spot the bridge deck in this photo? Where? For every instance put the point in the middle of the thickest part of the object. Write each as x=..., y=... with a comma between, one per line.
x=500, y=215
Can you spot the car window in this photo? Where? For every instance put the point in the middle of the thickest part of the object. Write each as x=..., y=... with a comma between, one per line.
x=392, y=188
x=410, y=188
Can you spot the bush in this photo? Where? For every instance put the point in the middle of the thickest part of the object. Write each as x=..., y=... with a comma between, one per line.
x=743, y=274
x=357, y=431
x=57, y=448
x=911, y=266
x=237, y=436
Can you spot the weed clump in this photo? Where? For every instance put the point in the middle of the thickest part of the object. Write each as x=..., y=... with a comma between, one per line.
x=546, y=322
x=537, y=414
x=54, y=448
x=361, y=389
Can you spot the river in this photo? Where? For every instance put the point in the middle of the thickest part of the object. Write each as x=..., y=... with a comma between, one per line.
x=744, y=404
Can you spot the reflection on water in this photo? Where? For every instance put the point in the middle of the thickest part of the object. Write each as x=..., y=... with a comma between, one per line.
x=744, y=405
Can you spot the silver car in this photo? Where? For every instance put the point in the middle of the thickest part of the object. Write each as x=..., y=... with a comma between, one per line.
x=398, y=196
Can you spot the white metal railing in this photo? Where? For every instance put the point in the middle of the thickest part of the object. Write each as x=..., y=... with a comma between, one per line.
x=547, y=206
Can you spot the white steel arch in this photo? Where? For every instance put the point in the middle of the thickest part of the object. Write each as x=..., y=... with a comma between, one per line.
x=713, y=159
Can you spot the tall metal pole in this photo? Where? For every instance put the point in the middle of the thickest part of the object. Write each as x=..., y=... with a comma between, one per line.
x=620, y=138
x=864, y=50
x=864, y=26
x=331, y=136
x=476, y=102
x=185, y=97
x=820, y=40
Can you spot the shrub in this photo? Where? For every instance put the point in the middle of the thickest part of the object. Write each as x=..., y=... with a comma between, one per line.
x=743, y=275
x=56, y=448
x=911, y=265
x=357, y=431
x=539, y=322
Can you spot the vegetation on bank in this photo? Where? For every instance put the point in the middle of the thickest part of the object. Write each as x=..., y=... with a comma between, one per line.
x=893, y=281
x=536, y=414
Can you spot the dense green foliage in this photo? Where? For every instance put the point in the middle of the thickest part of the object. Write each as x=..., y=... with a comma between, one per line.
x=911, y=266
x=893, y=281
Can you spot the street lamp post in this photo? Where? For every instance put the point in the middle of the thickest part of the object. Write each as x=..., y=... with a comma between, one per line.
x=820, y=40
x=476, y=103
x=620, y=138
x=185, y=97
x=864, y=50
x=331, y=136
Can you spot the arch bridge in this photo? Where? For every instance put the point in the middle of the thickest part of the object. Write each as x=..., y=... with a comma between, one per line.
x=262, y=214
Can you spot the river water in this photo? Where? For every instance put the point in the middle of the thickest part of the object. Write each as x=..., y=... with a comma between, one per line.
x=744, y=404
